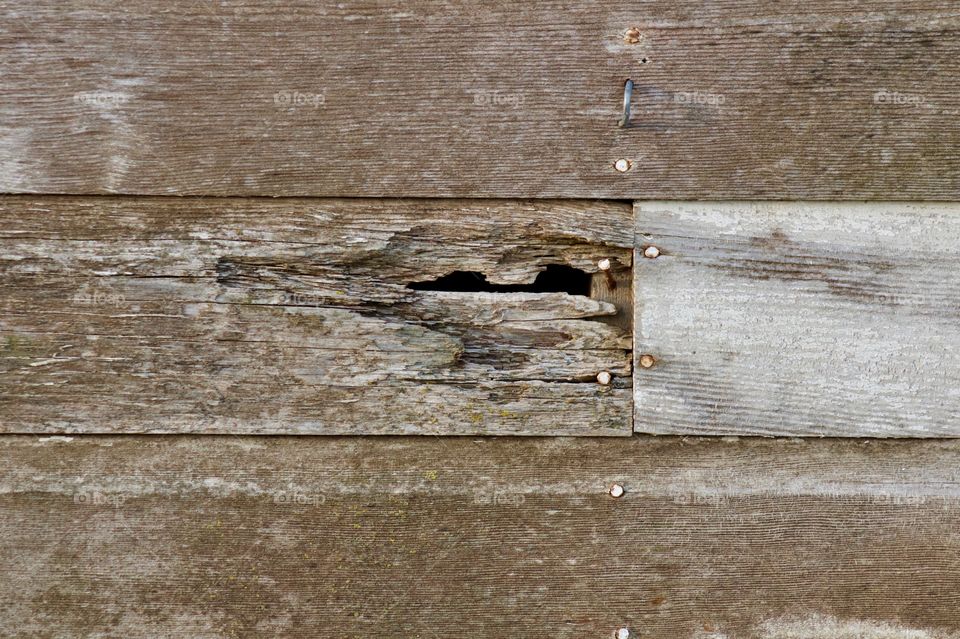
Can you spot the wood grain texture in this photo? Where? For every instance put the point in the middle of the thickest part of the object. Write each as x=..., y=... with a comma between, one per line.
x=743, y=99
x=294, y=316
x=437, y=537
x=799, y=319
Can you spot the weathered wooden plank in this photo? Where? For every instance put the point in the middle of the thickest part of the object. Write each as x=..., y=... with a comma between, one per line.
x=734, y=98
x=799, y=319
x=298, y=316
x=438, y=537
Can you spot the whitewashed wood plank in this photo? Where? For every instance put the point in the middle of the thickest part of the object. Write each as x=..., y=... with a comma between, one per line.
x=799, y=319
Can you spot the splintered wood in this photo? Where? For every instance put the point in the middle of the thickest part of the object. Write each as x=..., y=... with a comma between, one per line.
x=296, y=316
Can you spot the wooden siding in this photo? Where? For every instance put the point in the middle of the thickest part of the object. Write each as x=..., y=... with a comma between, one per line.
x=201, y=315
x=216, y=537
x=291, y=284
x=799, y=319
x=742, y=99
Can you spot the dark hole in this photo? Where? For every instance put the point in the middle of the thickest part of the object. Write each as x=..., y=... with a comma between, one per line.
x=556, y=278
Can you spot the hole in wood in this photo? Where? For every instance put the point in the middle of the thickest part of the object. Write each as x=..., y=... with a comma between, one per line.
x=557, y=278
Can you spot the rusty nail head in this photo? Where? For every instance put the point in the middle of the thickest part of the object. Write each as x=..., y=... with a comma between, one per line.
x=632, y=36
x=651, y=252
x=647, y=360
x=604, y=266
x=616, y=491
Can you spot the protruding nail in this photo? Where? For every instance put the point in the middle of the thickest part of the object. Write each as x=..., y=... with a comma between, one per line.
x=604, y=266
x=627, y=99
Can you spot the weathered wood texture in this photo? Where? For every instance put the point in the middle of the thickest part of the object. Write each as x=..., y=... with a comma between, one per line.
x=734, y=98
x=294, y=316
x=799, y=319
x=441, y=537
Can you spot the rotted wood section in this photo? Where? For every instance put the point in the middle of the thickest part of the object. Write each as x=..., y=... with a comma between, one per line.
x=798, y=319
x=202, y=315
x=744, y=99
x=507, y=537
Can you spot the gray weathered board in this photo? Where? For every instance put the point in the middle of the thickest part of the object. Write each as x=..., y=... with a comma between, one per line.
x=799, y=319
x=207, y=315
x=230, y=537
x=779, y=99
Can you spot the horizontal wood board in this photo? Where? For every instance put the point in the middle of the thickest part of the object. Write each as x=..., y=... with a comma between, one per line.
x=798, y=319
x=219, y=537
x=754, y=99
x=170, y=315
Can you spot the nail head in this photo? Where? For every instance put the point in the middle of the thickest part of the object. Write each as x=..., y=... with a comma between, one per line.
x=604, y=377
x=604, y=264
x=651, y=252
x=616, y=491
x=632, y=36
x=647, y=360
x=622, y=165
x=623, y=633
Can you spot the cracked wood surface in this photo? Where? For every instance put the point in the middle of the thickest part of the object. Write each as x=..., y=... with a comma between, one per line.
x=216, y=537
x=737, y=99
x=799, y=319
x=294, y=316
